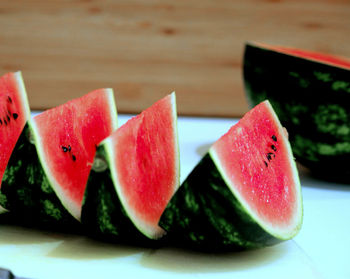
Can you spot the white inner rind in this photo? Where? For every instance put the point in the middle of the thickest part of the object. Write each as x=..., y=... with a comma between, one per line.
x=281, y=232
x=23, y=93
x=112, y=107
x=73, y=208
x=153, y=232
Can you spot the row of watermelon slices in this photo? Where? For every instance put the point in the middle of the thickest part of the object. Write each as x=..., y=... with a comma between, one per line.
x=70, y=165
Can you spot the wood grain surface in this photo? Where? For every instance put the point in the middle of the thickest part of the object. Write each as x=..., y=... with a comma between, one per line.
x=147, y=49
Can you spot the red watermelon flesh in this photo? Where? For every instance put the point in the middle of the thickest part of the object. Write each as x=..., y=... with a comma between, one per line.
x=67, y=137
x=256, y=161
x=316, y=56
x=146, y=163
x=14, y=112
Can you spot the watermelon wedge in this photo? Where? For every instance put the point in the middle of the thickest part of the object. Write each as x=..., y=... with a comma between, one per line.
x=48, y=170
x=245, y=192
x=15, y=112
x=310, y=93
x=135, y=173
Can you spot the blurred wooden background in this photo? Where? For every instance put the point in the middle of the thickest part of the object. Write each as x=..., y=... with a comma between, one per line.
x=146, y=49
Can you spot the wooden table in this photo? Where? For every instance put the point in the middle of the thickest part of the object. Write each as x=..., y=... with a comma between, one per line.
x=146, y=49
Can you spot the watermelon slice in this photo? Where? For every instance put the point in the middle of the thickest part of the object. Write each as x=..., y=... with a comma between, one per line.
x=244, y=193
x=15, y=112
x=135, y=173
x=310, y=93
x=48, y=170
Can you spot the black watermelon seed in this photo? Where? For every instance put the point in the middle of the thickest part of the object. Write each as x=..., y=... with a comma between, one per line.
x=15, y=116
x=268, y=156
x=274, y=138
x=266, y=164
x=69, y=148
x=273, y=147
x=65, y=149
x=5, y=121
x=8, y=118
x=74, y=158
x=0, y=122
x=9, y=99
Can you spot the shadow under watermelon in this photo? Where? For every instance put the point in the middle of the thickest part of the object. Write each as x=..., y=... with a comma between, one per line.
x=189, y=261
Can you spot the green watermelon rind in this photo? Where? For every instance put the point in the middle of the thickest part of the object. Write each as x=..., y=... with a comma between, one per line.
x=283, y=234
x=26, y=191
x=23, y=95
x=73, y=208
x=114, y=227
x=2, y=209
x=206, y=213
x=41, y=204
x=310, y=98
x=148, y=231
x=103, y=215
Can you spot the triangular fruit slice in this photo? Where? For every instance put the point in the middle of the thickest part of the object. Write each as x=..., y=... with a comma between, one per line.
x=135, y=173
x=14, y=113
x=245, y=192
x=48, y=170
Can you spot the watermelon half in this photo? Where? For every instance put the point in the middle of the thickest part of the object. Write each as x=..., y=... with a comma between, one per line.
x=244, y=193
x=15, y=112
x=135, y=173
x=310, y=93
x=48, y=170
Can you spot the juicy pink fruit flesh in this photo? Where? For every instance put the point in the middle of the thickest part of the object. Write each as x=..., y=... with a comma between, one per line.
x=255, y=155
x=145, y=157
x=14, y=112
x=69, y=136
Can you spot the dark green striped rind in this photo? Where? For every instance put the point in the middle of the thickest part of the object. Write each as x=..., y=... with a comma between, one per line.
x=26, y=191
x=204, y=214
x=103, y=215
x=312, y=101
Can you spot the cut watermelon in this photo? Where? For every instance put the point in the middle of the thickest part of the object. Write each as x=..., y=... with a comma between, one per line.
x=15, y=112
x=245, y=193
x=310, y=93
x=135, y=173
x=48, y=170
